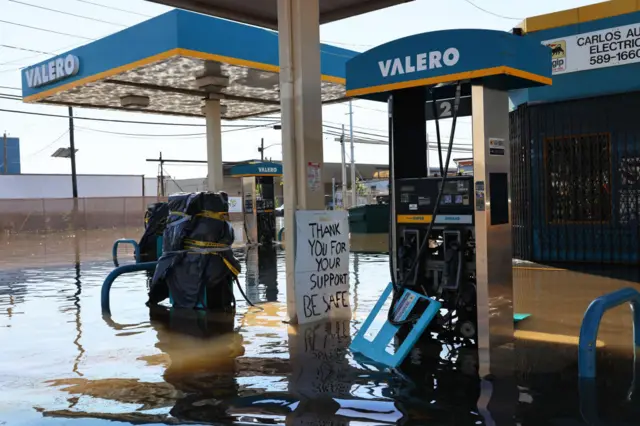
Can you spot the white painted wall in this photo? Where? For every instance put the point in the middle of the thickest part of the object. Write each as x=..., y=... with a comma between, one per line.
x=150, y=187
x=89, y=186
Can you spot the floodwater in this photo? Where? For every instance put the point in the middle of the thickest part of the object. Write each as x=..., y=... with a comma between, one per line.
x=61, y=362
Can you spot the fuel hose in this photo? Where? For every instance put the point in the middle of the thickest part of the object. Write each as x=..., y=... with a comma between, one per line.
x=397, y=287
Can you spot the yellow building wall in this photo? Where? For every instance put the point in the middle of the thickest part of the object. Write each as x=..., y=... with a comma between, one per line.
x=579, y=15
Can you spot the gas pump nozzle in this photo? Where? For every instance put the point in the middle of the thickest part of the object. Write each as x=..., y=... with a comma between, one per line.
x=453, y=266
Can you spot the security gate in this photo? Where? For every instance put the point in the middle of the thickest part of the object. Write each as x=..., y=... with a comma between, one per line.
x=576, y=180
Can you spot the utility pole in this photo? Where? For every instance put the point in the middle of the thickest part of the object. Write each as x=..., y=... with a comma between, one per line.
x=72, y=156
x=6, y=155
x=161, y=175
x=354, y=194
x=261, y=149
x=344, y=170
x=333, y=192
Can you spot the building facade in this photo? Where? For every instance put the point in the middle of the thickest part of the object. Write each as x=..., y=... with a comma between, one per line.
x=9, y=156
x=576, y=144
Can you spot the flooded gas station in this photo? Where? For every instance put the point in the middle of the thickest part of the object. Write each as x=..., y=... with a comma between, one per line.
x=63, y=361
x=185, y=316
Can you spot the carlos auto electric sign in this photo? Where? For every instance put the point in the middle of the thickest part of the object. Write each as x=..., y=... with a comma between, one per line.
x=52, y=71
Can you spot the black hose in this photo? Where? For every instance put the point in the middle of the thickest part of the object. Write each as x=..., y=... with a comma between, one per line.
x=392, y=219
x=244, y=295
x=435, y=115
x=246, y=232
x=425, y=243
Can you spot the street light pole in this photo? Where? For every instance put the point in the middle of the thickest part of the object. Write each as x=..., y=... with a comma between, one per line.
x=74, y=177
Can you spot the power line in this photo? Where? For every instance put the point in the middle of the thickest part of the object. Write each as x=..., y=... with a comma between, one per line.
x=40, y=150
x=492, y=13
x=237, y=127
x=41, y=114
x=46, y=30
x=346, y=44
x=114, y=8
x=10, y=88
x=10, y=98
x=24, y=49
x=67, y=13
x=13, y=61
x=370, y=109
x=175, y=135
x=358, y=131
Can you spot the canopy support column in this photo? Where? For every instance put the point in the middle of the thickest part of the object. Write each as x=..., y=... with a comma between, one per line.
x=300, y=99
x=212, y=109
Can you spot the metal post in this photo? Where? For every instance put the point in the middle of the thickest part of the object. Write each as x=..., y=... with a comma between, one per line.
x=6, y=155
x=344, y=170
x=74, y=178
x=333, y=192
x=354, y=194
x=261, y=149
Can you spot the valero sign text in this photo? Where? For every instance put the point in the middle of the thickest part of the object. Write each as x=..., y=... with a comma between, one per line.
x=54, y=70
x=267, y=170
x=420, y=62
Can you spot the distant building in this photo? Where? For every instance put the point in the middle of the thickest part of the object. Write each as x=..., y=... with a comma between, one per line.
x=10, y=152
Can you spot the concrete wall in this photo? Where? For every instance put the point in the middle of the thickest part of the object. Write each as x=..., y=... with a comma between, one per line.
x=89, y=186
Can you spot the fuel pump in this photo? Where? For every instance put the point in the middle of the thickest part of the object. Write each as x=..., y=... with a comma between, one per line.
x=258, y=199
x=450, y=236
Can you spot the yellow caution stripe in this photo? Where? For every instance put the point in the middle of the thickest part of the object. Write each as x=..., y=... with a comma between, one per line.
x=189, y=243
x=214, y=215
x=413, y=218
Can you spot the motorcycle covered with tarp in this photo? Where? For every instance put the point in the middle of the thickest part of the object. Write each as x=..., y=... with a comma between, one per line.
x=197, y=268
x=155, y=222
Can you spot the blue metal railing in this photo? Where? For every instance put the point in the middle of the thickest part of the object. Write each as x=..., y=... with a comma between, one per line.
x=591, y=324
x=114, y=251
x=124, y=269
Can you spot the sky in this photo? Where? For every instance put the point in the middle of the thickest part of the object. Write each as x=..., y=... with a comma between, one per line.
x=125, y=148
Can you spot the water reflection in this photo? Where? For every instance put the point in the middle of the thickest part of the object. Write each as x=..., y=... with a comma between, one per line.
x=65, y=361
x=202, y=350
x=76, y=303
x=262, y=273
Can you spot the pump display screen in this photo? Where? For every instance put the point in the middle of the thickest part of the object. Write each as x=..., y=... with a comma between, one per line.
x=416, y=196
x=455, y=187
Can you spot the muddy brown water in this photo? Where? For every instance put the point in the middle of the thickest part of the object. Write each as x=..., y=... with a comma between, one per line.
x=61, y=362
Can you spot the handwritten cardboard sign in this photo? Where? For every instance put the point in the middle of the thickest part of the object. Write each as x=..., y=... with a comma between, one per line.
x=322, y=265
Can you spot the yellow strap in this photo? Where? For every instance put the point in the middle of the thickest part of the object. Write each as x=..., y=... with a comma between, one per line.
x=204, y=244
x=233, y=270
x=177, y=214
x=214, y=215
x=228, y=264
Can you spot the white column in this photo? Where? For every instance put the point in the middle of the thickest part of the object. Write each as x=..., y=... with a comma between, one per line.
x=214, y=145
x=300, y=100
